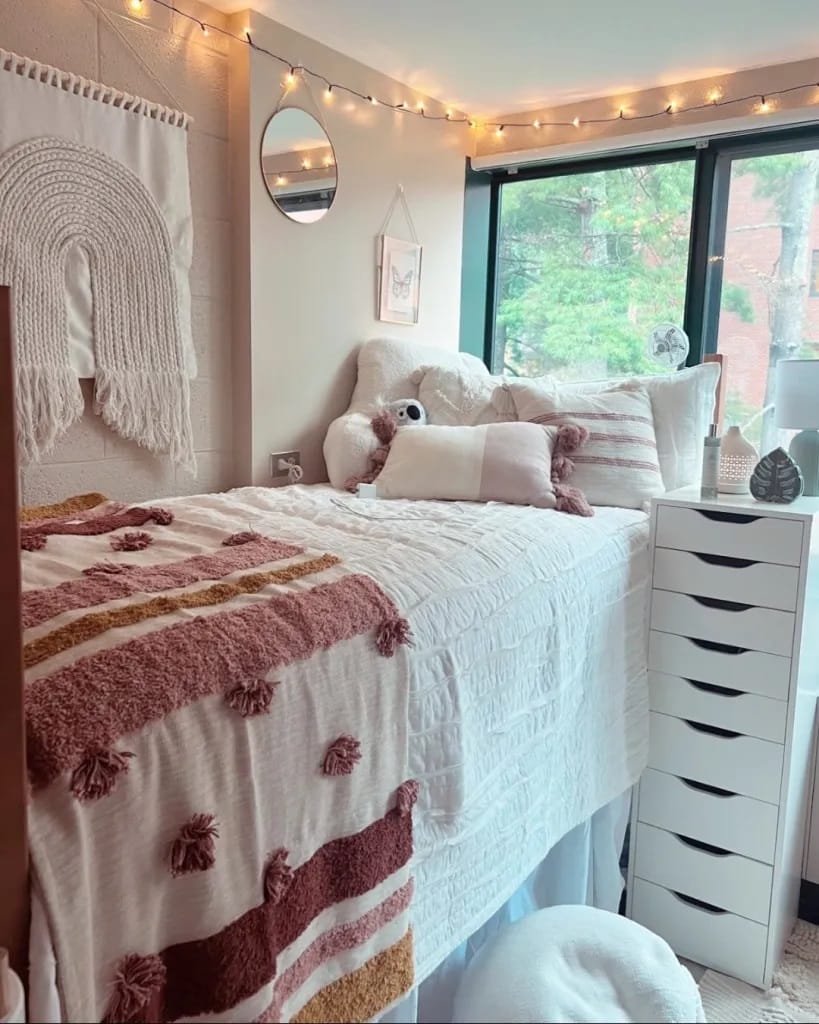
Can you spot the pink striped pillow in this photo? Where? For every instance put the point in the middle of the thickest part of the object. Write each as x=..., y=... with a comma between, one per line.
x=618, y=465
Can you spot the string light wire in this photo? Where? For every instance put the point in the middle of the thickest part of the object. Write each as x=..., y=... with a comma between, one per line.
x=715, y=98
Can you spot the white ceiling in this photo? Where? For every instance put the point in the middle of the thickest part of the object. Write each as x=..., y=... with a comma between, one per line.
x=496, y=56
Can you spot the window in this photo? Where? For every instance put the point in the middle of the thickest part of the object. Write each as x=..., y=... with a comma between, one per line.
x=588, y=264
x=585, y=260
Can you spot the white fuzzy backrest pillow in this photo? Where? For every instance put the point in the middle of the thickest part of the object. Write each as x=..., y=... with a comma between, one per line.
x=388, y=369
x=458, y=397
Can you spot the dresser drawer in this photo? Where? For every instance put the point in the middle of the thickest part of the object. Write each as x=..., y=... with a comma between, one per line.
x=737, y=579
x=726, y=942
x=761, y=538
x=747, y=713
x=741, y=764
x=716, y=876
x=722, y=664
x=761, y=629
x=724, y=819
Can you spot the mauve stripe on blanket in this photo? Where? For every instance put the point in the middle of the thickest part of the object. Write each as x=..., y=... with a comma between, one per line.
x=41, y=605
x=213, y=974
x=105, y=523
x=88, y=705
x=332, y=943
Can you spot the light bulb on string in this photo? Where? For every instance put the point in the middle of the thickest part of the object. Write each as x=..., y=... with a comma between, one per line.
x=576, y=122
x=306, y=165
x=373, y=100
x=281, y=180
x=671, y=108
x=536, y=124
x=448, y=115
x=204, y=28
x=764, y=106
x=419, y=106
x=328, y=93
x=135, y=5
x=499, y=129
x=715, y=96
x=328, y=161
x=290, y=79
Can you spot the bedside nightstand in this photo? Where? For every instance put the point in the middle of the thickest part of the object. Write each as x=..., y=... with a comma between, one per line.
x=718, y=820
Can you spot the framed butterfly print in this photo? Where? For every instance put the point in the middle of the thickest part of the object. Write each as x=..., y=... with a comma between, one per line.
x=400, y=281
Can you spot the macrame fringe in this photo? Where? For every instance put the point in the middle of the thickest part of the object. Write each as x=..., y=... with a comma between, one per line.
x=49, y=403
x=151, y=408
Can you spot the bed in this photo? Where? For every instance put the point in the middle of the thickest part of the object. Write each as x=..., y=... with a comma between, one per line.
x=516, y=641
x=527, y=694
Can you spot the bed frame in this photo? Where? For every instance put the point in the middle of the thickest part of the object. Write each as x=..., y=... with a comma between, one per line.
x=14, y=905
x=14, y=889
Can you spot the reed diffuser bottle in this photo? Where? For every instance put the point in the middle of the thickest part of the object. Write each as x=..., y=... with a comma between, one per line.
x=709, y=487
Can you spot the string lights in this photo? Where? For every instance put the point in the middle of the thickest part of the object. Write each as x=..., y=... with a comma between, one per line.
x=762, y=102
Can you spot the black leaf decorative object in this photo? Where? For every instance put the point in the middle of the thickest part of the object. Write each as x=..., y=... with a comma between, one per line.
x=777, y=478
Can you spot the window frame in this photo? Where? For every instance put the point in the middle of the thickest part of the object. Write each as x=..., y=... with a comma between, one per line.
x=713, y=158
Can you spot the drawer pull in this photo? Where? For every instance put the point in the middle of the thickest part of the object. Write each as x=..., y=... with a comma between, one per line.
x=698, y=844
x=723, y=691
x=728, y=517
x=718, y=602
x=733, y=563
x=714, y=730
x=712, y=645
x=699, y=904
x=703, y=787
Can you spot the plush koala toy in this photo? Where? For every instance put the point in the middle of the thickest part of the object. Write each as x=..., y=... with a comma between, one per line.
x=408, y=412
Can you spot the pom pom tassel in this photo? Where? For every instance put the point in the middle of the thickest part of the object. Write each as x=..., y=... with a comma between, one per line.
x=138, y=986
x=162, y=516
x=406, y=797
x=342, y=756
x=194, y=849
x=105, y=569
x=572, y=501
x=385, y=426
x=391, y=633
x=570, y=436
x=277, y=876
x=253, y=699
x=97, y=774
x=562, y=466
x=136, y=541
x=32, y=541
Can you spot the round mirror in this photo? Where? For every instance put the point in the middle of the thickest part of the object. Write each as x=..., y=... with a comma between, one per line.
x=298, y=165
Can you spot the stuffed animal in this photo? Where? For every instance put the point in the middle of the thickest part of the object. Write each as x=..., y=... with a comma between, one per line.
x=408, y=412
x=405, y=412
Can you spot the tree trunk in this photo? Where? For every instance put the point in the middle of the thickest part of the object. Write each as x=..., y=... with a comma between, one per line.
x=787, y=301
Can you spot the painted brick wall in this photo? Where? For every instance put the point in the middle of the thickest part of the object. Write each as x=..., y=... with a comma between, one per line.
x=168, y=60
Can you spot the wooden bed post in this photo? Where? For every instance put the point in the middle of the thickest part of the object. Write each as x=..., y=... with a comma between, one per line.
x=14, y=892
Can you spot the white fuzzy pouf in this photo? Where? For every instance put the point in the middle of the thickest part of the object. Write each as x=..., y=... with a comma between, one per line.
x=576, y=964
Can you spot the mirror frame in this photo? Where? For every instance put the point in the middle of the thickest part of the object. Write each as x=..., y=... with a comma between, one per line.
x=273, y=200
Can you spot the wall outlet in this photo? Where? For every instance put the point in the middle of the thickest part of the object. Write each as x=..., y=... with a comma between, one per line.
x=278, y=460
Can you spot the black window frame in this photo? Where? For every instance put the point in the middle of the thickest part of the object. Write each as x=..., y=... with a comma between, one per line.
x=703, y=292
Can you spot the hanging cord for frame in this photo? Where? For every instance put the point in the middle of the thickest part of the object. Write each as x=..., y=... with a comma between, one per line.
x=400, y=196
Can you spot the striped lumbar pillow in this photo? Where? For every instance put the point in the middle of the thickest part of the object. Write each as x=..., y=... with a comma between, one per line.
x=618, y=465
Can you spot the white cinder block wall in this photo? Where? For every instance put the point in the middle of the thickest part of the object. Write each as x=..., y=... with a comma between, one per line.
x=166, y=59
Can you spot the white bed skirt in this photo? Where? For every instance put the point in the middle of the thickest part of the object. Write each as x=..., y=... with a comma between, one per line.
x=583, y=867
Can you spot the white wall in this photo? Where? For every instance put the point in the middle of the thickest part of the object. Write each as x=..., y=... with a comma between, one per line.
x=306, y=293
x=163, y=58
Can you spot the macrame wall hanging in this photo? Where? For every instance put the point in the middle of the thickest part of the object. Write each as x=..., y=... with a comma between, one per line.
x=96, y=241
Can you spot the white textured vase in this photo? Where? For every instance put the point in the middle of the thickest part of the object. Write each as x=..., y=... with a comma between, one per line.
x=736, y=463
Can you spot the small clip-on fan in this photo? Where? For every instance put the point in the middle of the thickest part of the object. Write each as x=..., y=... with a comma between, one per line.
x=668, y=346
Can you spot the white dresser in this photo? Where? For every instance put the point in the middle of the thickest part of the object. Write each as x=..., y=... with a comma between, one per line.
x=718, y=820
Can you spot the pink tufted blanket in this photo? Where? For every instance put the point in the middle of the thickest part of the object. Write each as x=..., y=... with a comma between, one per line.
x=220, y=815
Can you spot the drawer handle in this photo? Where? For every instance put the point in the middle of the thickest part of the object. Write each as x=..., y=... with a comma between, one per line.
x=717, y=602
x=731, y=562
x=714, y=730
x=698, y=844
x=723, y=691
x=699, y=904
x=703, y=787
x=712, y=645
x=728, y=517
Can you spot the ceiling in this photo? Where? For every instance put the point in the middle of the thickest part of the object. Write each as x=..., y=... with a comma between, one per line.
x=497, y=56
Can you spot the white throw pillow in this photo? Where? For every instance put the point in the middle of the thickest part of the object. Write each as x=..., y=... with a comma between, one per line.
x=618, y=465
x=456, y=397
x=387, y=369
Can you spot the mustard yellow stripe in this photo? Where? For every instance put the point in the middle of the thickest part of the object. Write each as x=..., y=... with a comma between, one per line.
x=94, y=624
x=367, y=992
x=77, y=503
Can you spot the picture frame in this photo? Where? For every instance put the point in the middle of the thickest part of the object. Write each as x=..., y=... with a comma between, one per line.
x=399, y=280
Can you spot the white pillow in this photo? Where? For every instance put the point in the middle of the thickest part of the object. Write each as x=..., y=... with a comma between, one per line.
x=387, y=369
x=618, y=465
x=456, y=397
x=683, y=405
